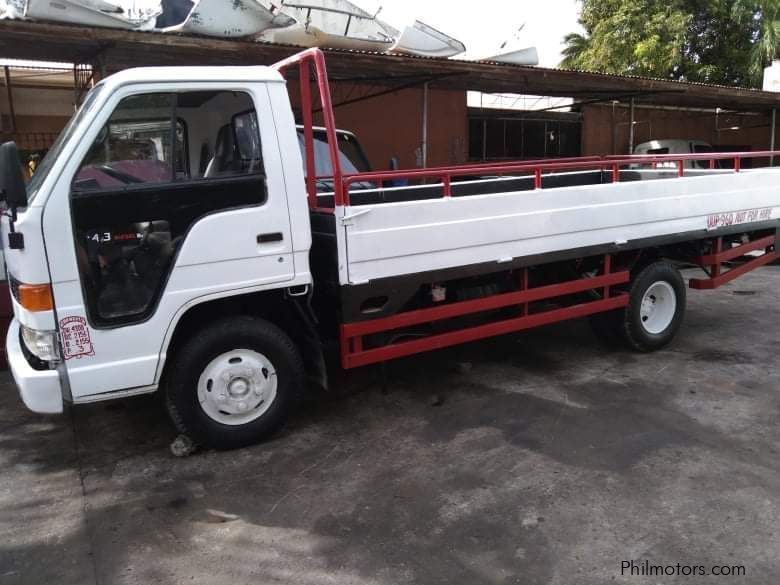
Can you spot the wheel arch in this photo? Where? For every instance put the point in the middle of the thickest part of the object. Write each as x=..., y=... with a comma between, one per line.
x=291, y=314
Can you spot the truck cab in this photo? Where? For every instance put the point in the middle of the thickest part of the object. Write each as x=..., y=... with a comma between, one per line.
x=171, y=187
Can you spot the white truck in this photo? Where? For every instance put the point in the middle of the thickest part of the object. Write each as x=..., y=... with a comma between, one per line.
x=175, y=239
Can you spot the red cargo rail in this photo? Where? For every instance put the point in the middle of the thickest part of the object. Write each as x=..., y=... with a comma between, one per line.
x=314, y=59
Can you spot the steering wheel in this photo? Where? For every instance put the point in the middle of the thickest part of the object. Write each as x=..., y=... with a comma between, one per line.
x=118, y=175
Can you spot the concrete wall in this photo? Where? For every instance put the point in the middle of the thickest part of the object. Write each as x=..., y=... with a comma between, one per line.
x=655, y=124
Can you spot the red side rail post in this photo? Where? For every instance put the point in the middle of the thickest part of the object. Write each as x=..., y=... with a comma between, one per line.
x=305, y=59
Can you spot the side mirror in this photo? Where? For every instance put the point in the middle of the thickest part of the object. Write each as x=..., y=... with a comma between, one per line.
x=12, y=188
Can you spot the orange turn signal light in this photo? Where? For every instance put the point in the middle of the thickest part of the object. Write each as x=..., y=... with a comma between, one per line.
x=36, y=297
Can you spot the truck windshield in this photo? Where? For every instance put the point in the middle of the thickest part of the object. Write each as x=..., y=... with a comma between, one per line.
x=48, y=161
x=350, y=154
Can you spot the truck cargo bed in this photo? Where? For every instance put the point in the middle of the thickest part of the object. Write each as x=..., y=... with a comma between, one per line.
x=407, y=237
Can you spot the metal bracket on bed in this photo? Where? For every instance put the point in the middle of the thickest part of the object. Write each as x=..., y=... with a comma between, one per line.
x=712, y=263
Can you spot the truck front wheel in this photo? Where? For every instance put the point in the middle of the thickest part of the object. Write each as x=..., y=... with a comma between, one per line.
x=234, y=383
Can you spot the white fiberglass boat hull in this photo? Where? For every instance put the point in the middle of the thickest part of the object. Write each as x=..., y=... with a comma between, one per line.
x=12, y=9
x=425, y=41
x=89, y=13
x=528, y=56
x=314, y=37
x=393, y=239
x=230, y=18
x=331, y=23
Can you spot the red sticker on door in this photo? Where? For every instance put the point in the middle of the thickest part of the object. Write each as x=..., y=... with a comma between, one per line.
x=76, y=342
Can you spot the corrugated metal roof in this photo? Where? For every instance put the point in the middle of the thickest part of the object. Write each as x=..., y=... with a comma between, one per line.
x=117, y=49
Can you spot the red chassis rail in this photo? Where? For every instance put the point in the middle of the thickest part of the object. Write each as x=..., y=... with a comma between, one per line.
x=353, y=353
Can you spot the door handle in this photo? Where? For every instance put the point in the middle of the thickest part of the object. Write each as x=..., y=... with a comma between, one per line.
x=271, y=237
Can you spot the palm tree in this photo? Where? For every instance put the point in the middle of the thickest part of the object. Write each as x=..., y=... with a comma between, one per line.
x=767, y=45
x=576, y=45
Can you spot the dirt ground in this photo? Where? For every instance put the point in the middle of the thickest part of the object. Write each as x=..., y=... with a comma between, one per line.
x=536, y=458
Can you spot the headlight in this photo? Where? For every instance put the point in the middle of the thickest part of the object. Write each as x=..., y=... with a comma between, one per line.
x=42, y=344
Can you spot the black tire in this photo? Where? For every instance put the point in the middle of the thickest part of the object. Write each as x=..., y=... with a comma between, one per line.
x=633, y=327
x=221, y=337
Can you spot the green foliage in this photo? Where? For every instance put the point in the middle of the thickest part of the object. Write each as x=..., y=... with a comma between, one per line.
x=767, y=43
x=709, y=41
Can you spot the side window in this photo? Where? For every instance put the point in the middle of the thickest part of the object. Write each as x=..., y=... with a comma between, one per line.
x=161, y=163
x=248, y=149
x=139, y=145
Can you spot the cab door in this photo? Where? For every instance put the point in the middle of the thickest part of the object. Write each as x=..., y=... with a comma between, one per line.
x=174, y=197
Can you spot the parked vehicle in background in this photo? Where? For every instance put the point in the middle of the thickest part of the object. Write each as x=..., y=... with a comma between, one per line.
x=672, y=146
x=176, y=239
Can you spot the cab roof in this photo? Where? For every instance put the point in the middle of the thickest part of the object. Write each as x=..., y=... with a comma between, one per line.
x=204, y=74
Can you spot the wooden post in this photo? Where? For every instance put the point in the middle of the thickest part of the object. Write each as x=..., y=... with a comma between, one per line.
x=9, y=91
x=772, y=137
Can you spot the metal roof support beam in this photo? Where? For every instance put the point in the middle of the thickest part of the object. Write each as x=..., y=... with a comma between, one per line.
x=424, y=143
x=386, y=91
x=611, y=98
x=772, y=136
x=9, y=91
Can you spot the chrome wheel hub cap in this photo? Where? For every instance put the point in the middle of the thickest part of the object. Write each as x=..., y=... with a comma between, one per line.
x=237, y=387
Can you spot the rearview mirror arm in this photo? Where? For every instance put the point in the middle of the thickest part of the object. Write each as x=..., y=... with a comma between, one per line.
x=15, y=239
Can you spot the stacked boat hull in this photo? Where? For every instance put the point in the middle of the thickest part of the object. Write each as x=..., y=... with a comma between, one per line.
x=305, y=23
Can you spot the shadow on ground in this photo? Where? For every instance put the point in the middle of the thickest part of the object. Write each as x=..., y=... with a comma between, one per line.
x=535, y=458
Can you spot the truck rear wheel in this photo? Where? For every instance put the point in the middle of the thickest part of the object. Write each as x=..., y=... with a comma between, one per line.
x=656, y=307
x=234, y=383
x=654, y=313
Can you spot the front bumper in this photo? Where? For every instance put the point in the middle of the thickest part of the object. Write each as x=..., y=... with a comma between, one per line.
x=40, y=389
